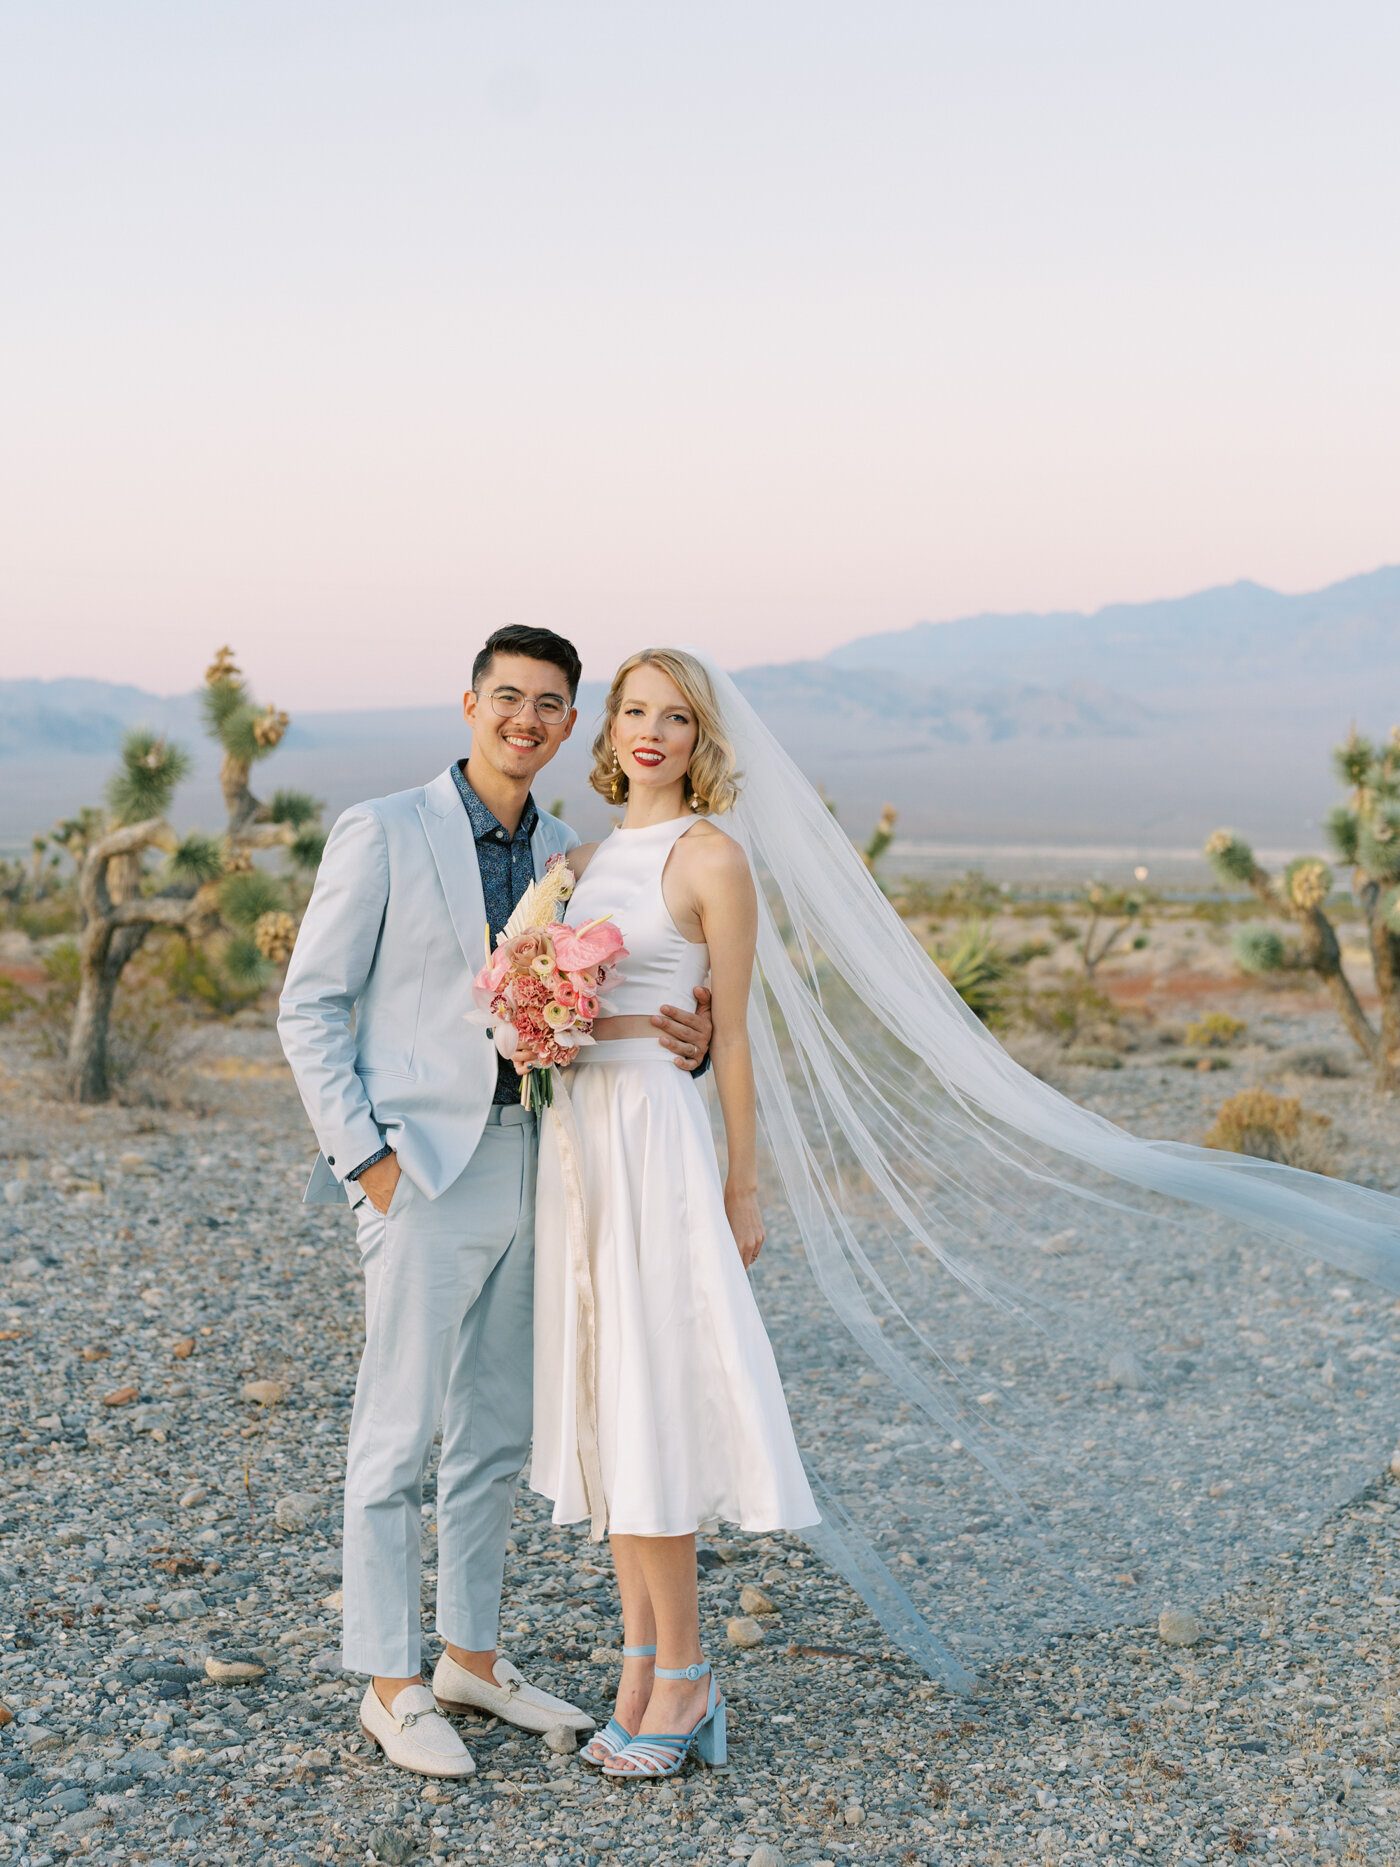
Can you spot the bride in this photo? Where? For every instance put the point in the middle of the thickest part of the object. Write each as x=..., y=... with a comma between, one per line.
x=1018, y=1273
x=688, y=1423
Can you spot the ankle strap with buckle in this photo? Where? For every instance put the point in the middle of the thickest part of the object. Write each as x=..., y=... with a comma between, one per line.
x=683, y=1672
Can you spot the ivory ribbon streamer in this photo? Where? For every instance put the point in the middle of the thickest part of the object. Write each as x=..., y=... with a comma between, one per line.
x=566, y=1140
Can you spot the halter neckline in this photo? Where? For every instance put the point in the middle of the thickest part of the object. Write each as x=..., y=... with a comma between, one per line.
x=647, y=829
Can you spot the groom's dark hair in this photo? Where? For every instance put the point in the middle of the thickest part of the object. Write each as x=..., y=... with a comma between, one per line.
x=538, y=645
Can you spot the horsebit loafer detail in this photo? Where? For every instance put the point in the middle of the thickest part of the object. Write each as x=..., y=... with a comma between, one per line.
x=456, y=1689
x=414, y=1735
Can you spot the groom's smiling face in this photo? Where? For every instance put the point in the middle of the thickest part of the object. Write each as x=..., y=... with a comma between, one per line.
x=520, y=713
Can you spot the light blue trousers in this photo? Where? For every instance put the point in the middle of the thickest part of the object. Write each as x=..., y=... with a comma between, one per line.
x=449, y=1300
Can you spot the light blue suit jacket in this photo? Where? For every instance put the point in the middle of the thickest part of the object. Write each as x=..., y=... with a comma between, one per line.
x=373, y=1014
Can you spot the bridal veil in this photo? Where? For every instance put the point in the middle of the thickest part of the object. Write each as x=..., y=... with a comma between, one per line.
x=1078, y=1375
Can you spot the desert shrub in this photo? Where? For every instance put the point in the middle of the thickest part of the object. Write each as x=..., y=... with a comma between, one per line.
x=1029, y=950
x=975, y=967
x=1195, y=1060
x=55, y=914
x=1094, y=1057
x=1310, y=1061
x=1272, y=1127
x=1071, y=1009
x=1217, y=1030
x=12, y=999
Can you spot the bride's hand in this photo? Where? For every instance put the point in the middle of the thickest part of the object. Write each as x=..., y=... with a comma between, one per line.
x=746, y=1223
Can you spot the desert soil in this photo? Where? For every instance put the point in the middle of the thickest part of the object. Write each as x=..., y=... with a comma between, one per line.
x=162, y=1254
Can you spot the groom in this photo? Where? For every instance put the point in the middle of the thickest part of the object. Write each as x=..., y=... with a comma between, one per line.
x=421, y=1128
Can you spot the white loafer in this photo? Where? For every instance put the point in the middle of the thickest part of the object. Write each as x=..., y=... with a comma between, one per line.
x=456, y=1689
x=414, y=1735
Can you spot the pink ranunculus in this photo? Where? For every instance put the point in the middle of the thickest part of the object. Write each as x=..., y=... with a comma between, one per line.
x=576, y=948
x=565, y=993
x=557, y=1016
x=543, y=967
x=587, y=1006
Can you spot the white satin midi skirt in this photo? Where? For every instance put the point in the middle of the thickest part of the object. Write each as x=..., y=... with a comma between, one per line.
x=689, y=1420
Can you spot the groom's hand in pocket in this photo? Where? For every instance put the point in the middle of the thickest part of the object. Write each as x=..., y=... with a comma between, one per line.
x=688, y=1033
x=380, y=1180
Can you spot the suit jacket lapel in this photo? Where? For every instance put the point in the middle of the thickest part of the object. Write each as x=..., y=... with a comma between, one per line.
x=449, y=834
x=543, y=844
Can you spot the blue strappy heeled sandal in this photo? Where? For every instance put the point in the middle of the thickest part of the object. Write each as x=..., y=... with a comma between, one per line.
x=613, y=1737
x=651, y=1755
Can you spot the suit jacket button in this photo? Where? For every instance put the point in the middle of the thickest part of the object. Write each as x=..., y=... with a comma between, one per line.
x=330, y=1160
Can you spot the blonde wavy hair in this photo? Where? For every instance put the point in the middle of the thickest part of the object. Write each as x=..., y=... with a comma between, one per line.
x=711, y=783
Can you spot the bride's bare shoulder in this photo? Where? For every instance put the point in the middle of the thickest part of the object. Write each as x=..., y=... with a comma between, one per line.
x=579, y=858
x=713, y=851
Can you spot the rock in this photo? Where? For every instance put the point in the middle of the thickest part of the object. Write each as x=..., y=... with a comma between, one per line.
x=183, y=1349
x=1395, y=1464
x=230, y=1668
x=265, y=1393
x=144, y=1762
x=183, y=1604
x=853, y=1815
x=29, y=1267
x=6, y=1715
x=83, y=1822
x=195, y=1495
x=297, y=1511
x=333, y=1603
x=327, y=1662
x=744, y=1631
x=121, y=1396
x=764, y=1856
x=561, y=1740
x=16, y=1192
x=1059, y=1244
x=753, y=1600
x=395, y=1846
x=149, y=1419
x=69, y=1801
x=1179, y=1627
x=1127, y=1372
x=37, y=1737
x=96, y=1351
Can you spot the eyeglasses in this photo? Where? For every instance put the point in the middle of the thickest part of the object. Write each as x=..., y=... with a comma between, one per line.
x=550, y=709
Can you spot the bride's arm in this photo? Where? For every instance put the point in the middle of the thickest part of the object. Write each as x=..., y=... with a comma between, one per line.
x=729, y=915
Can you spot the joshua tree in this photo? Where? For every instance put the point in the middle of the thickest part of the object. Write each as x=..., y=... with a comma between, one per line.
x=247, y=733
x=117, y=913
x=1112, y=914
x=1365, y=833
x=880, y=837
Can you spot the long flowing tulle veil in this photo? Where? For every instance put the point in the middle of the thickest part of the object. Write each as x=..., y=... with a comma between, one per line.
x=1077, y=1375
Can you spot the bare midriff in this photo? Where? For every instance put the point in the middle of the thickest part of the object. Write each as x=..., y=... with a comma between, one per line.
x=608, y=1030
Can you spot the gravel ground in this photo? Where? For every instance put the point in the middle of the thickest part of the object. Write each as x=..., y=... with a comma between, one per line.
x=163, y=1252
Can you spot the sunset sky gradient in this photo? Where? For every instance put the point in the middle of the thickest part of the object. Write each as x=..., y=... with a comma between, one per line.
x=348, y=332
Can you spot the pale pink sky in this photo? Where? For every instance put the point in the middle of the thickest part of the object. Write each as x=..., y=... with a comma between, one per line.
x=347, y=332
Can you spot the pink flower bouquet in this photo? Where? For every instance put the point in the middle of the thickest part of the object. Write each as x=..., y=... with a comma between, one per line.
x=541, y=989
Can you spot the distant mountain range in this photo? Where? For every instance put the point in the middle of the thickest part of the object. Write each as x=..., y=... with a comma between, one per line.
x=1218, y=649
x=1148, y=721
